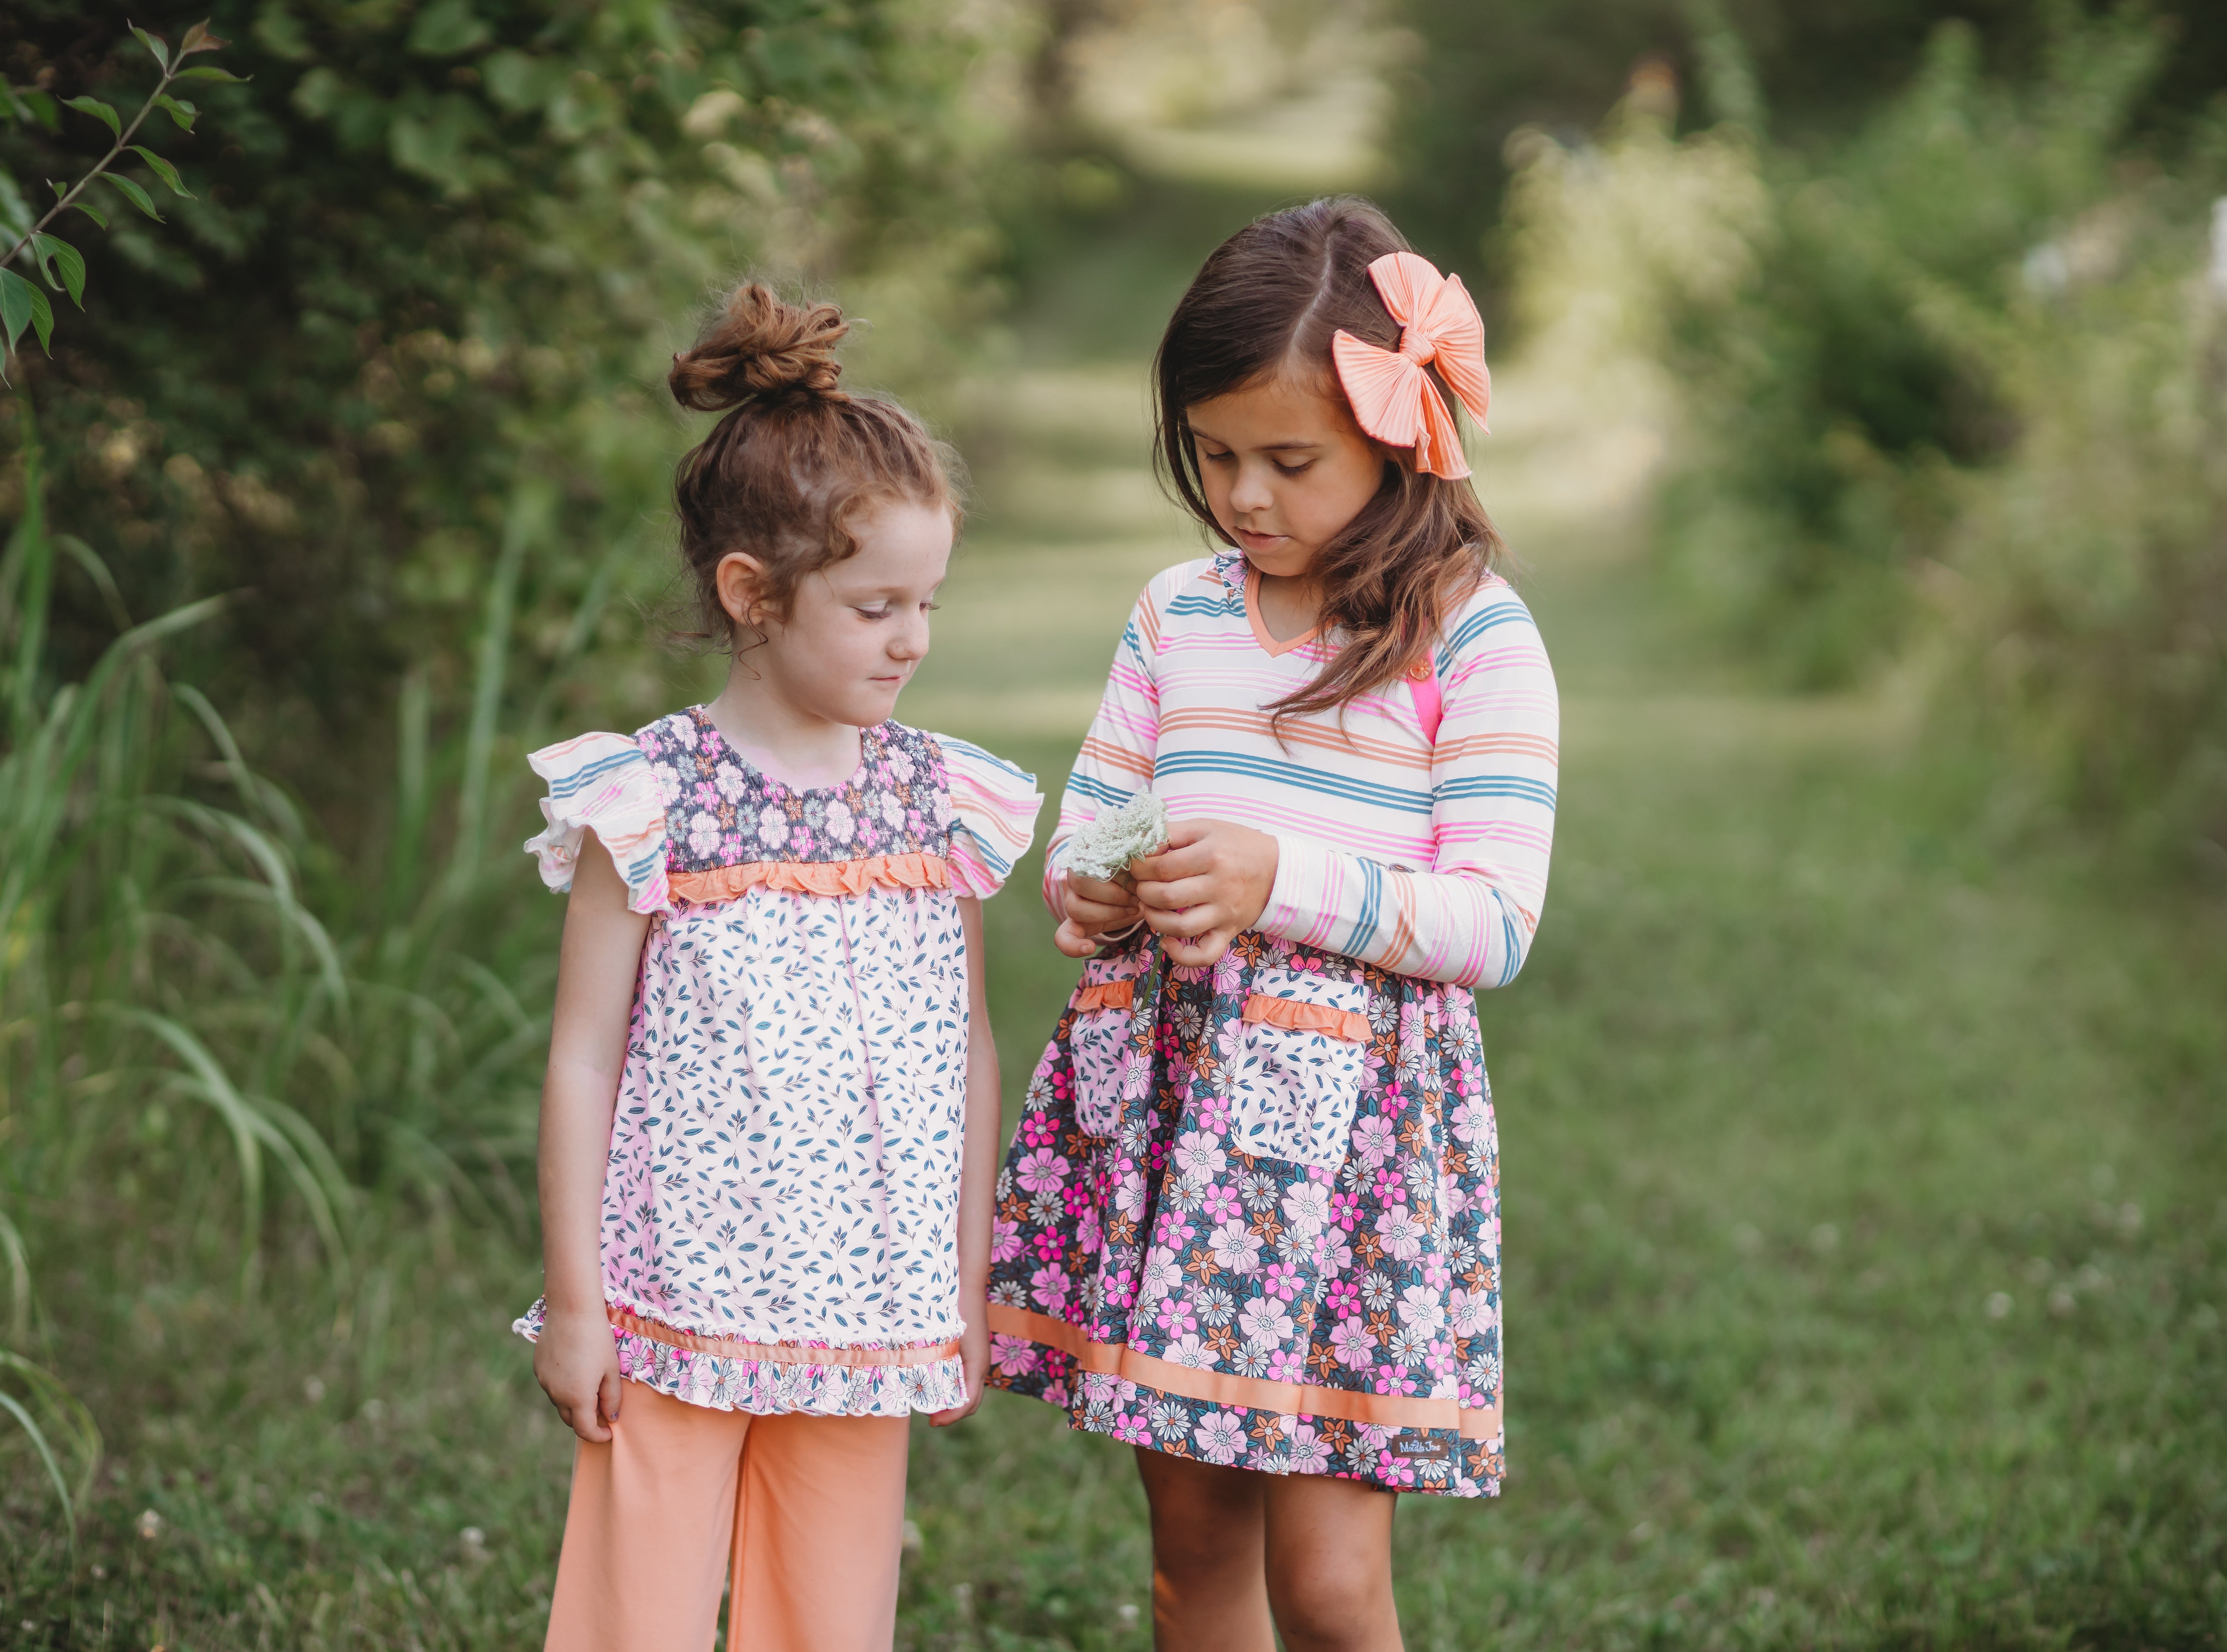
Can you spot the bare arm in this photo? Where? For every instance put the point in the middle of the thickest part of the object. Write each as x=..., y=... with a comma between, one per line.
x=575, y=1362
x=978, y=1174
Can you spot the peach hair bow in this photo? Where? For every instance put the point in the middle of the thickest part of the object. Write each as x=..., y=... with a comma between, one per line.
x=1393, y=398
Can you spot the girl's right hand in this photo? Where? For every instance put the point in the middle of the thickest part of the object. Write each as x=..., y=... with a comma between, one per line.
x=1094, y=906
x=576, y=1364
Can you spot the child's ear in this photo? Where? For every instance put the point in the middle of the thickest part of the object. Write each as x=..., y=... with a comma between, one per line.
x=740, y=581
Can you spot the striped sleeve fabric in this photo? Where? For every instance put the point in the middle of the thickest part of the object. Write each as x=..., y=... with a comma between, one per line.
x=996, y=805
x=601, y=783
x=1116, y=759
x=1467, y=918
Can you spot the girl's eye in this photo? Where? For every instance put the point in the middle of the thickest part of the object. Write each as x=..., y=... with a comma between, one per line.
x=1217, y=458
x=1294, y=469
x=873, y=613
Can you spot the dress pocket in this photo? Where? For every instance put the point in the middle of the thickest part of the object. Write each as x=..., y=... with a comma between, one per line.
x=1297, y=1078
x=1097, y=1047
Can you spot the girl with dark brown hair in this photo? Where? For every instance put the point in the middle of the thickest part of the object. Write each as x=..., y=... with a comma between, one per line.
x=1250, y=1222
x=770, y=1129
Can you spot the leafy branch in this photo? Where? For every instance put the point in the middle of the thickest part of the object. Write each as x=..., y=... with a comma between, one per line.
x=21, y=303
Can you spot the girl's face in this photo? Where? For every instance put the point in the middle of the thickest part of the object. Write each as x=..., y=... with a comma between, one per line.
x=1284, y=468
x=857, y=630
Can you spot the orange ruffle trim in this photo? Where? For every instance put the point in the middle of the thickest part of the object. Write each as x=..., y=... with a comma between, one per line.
x=814, y=877
x=1106, y=995
x=733, y=1348
x=1346, y=1024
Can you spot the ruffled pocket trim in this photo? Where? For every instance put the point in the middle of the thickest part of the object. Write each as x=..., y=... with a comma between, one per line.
x=601, y=783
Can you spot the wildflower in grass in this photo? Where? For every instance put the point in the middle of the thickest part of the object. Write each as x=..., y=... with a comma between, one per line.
x=1221, y=1438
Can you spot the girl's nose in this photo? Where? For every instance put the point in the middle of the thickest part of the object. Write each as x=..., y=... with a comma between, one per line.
x=1250, y=492
x=911, y=640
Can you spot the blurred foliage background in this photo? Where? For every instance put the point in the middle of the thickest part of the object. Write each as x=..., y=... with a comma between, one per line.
x=1861, y=430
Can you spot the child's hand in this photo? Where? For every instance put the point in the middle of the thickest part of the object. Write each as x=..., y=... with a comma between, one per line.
x=576, y=1364
x=974, y=1356
x=1094, y=906
x=1212, y=880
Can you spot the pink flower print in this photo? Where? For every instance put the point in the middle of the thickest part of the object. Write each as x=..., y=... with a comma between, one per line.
x=1355, y=1347
x=1063, y=1086
x=1220, y=1204
x=1088, y=1232
x=1005, y=1240
x=1308, y=1451
x=1050, y=1286
x=892, y=813
x=1472, y=1122
x=1159, y=1275
x=1393, y=1379
x=1440, y=1363
x=1131, y=1428
x=732, y=782
x=1469, y=1312
x=1047, y=1246
x=1235, y=1247
x=1174, y=1317
x=1175, y=1231
x=1190, y=1352
x=773, y=826
x=1012, y=1355
x=1332, y=1254
x=1387, y=1184
x=1345, y=1210
x=1286, y=1365
x=1281, y=1281
x=1402, y=1233
x=702, y=835
x=1436, y=1274
x=840, y=826
x=1394, y=1470
x=1037, y=1130
x=1199, y=1154
x=1129, y=1194
x=1420, y=1309
x=1219, y=1439
x=1263, y=1320
x=901, y=766
x=1042, y=1171
x=1077, y=1199
x=1306, y=1208
x=1343, y=1298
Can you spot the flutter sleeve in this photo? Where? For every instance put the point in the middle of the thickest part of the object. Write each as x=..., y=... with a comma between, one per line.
x=995, y=808
x=601, y=783
x=1467, y=918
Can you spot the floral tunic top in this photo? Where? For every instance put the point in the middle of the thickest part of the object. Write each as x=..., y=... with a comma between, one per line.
x=779, y=1214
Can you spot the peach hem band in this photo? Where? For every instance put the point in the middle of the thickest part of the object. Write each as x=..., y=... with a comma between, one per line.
x=914, y=870
x=1106, y=995
x=1257, y=1394
x=733, y=1348
x=1290, y=1014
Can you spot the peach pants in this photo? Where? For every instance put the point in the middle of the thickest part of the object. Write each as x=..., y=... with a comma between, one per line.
x=808, y=1512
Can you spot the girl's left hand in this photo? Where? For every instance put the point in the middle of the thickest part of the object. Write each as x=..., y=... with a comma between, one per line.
x=974, y=1357
x=1212, y=880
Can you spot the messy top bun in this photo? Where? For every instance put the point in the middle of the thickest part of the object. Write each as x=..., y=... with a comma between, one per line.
x=795, y=458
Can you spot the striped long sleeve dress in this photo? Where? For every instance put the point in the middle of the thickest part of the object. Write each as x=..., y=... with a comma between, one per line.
x=1251, y=1213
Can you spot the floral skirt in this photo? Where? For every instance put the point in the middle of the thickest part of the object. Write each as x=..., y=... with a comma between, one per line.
x=1251, y=1217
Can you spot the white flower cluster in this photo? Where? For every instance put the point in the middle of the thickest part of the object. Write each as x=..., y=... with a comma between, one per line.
x=1106, y=844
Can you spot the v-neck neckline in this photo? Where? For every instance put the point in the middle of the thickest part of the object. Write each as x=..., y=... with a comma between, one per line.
x=1268, y=644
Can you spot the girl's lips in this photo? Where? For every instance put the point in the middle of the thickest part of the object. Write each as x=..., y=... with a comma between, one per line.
x=1251, y=541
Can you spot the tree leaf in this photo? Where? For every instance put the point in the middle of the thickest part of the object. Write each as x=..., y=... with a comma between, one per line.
x=55, y=254
x=153, y=43
x=180, y=110
x=98, y=217
x=198, y=39
x=93, y=106
x=23, y=304
x=210, y=72
x=163, y=170
x=132, y=193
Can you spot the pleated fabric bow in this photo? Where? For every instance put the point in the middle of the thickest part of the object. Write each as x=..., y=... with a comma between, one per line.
x=1393, y=398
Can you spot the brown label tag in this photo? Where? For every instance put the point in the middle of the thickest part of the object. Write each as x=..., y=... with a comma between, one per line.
x=1422, y=1451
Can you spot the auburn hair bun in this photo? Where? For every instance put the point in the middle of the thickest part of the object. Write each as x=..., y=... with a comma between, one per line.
x=759, y=347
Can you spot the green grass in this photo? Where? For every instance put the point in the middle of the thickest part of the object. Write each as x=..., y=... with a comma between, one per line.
x=1799, y=1081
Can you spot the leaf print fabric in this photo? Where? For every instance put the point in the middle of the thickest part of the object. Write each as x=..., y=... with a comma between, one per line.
x=779, y=1214
x=1274, y=1242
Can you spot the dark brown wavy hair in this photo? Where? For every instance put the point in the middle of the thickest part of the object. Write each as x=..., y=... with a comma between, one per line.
x=796, y=458
x=1264, y=306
